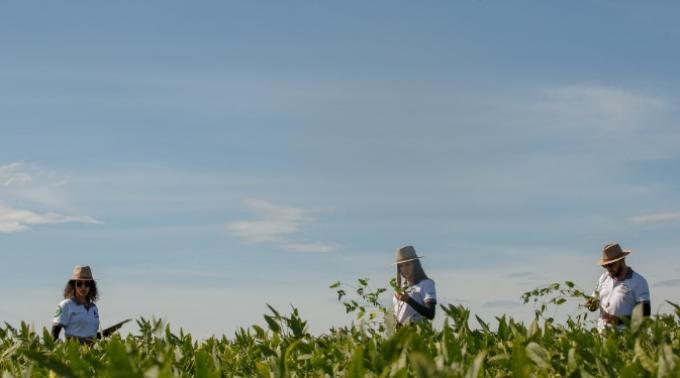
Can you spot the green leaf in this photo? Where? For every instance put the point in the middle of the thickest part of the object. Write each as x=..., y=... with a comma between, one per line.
x=667, y=361
x=477, y=365
x=273, y=310
x=356, y=364
x=572, y=361
x=272, y=323
x=262, y=369
x=483, y=324
x=519, y=361
x=119, y=360
x=204, y=366
x=49, y=362
x=637, y=318
x=538, y=355
x=646, y=362
x=534, y=329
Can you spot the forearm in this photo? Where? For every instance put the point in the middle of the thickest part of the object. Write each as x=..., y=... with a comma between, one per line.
x=56, y=329
x=426, y=310
x=646, y=311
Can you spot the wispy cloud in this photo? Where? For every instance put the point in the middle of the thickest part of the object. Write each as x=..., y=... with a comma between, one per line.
x=11, y=175
x=664, y=217
x=16, y=220
x=24, y=183
x=605, y=107
x=275, y=221
x=28, y=183
x=275, y=225
x=308, y=247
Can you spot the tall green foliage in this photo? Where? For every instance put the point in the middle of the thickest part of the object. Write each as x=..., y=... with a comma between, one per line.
x=371, y=347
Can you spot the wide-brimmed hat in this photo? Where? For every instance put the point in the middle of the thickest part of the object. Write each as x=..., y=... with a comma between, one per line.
x=611, y=253
x=82, y=273
x=406, y=253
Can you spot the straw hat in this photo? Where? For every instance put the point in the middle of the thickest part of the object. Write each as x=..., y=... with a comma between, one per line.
x=82, y=273
x=612, y=252
x=406, y=253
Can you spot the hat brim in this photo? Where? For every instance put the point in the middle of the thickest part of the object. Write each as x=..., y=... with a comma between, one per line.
x=626, y=252
x=407, y=260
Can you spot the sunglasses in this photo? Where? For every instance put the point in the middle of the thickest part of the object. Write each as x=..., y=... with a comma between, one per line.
x=83, y=283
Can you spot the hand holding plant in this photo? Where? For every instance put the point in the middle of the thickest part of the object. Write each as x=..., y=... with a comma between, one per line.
x=401, y=296
x=592, y=303
x=398, y=289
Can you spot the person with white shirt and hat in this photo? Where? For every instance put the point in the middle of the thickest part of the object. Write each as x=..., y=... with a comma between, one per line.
x=419, y=299
x=77, y=314
x=619, y=289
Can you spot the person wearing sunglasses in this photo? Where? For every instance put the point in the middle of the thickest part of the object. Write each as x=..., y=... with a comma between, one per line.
x=419, y=299
x=619, y=289
x=77, y=314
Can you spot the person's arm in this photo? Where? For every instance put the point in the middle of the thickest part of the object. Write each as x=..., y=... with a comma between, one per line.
x=642, y=297
x=426, y=310
x=646, y=308
x=613, y=319
x=56, y=329
x=61, y=319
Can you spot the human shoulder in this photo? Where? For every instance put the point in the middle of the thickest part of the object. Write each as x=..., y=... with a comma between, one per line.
x=638, y=280
x=427, y=282
x=66, y=303
x=427, y=286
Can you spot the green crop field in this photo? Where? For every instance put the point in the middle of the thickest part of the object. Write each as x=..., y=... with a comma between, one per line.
x=371, y=347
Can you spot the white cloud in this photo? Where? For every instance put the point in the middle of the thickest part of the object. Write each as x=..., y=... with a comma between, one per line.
x=276, y=221
x=16, y=220
x=27, y=184
x=275, y=224
x=655, y=218
x=11, y=175
x=604, y=107
x=309, y=247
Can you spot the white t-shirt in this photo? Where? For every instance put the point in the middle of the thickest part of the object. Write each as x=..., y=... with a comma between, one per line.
x=76, y=319
x=619, y=297
x=421, y=292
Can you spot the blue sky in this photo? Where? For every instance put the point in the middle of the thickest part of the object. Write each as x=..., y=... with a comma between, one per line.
x=208, y=158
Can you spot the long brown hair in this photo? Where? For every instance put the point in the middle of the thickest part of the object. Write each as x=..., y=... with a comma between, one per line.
x=70, y=291
x=418, y=273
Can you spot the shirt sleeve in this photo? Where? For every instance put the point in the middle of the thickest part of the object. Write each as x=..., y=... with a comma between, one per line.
x=642, y=291
x=62, y=315
x=599, y=285
x=428, y=291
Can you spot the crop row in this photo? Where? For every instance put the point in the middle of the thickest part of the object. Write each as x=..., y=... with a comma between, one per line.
x=372, y=347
